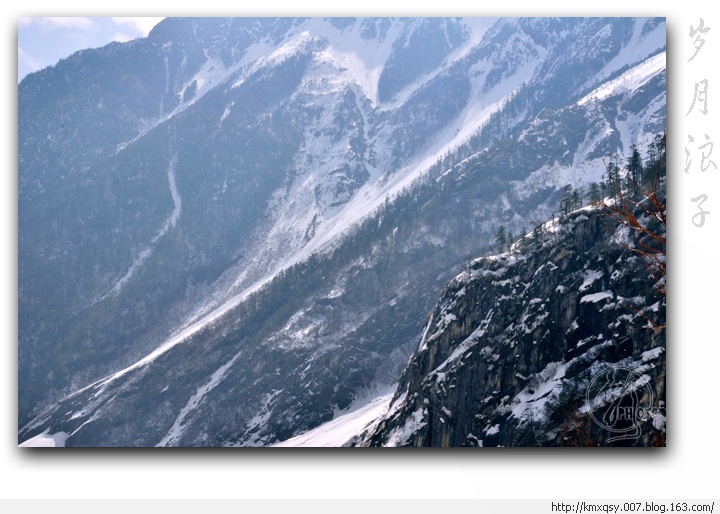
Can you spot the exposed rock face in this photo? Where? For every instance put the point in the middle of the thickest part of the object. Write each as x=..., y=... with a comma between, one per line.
x=519, y=342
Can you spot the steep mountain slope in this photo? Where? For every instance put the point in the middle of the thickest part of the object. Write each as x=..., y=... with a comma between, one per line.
x=228, y=230
x=516, y=349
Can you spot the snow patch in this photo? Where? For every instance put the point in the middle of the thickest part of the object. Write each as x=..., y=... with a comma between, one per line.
x=45, y=440
x=492, y=430
x=631, y=80
x=401, y=435
x=652, y=354
x=176, y=431
x=596, y=297
x=468, y=343
x=340, y=430
x=590, y=276
x=147, y=252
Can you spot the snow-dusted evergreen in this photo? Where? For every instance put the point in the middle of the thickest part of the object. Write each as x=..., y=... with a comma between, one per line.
x=229, y=231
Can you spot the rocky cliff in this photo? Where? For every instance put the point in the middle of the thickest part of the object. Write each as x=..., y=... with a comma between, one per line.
x=558, y=343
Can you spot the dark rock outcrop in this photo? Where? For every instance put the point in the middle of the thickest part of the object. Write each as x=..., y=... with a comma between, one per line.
x=519, y=343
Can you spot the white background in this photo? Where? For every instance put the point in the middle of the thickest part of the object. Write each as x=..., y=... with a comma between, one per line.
x=688, y=468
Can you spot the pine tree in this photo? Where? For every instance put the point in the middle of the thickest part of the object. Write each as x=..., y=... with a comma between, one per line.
x=501, y=239
x=524, y=241
x=613, y=178
x=566, y=201
x=634, y=164
x=655, y=165
x=642, y=203
x=576, y=199
x=537, y=235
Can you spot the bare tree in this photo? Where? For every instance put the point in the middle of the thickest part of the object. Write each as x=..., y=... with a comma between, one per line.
x=642, y=210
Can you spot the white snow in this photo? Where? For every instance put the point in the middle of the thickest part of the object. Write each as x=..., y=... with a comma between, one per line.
x=530, y=402
x=45, y=440
x=263, y=56
x=261, y=417
x=363, y=59
x=335, y=224
x=211, y=74
x=397, y=404
x=596, y=297
x=634, y=50
x=401, y=435
x=442, y=325
x=609, y=394
x=176, y=431
x=340, y=430
x=583, y=170
x=658, y=419
x=631, y=80
x=622, y=236
x=492, y=430
x=147, y=252
x=478, y=27
x=468, y=343
x=545, y=385
x=652, y=354
x=289, y=232
x=590, y=276
x=423, y=339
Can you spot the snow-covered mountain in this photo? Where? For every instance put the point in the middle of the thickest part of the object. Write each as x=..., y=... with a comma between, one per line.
x=230, y=231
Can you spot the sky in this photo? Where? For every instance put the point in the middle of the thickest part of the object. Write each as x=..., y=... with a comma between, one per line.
x=43, y=41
